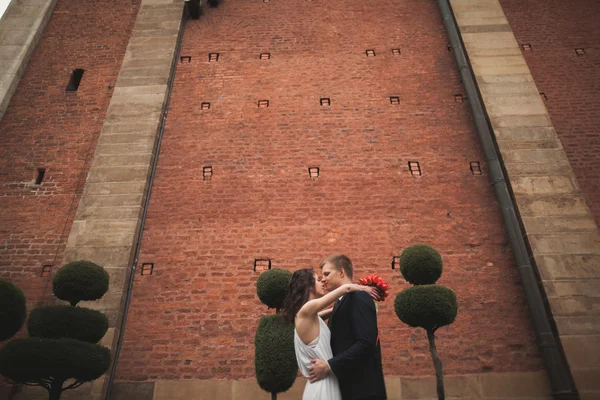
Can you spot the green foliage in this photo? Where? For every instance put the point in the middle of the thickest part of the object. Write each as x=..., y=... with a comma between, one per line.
x=80, y=280
x=34, y=359
x=421, y=265
x=275, y=357
x=272, y=285
x=426, y=306
x=12, y=309
x=64, y=321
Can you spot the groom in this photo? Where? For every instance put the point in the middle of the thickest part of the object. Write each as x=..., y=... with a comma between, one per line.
x=356, y=358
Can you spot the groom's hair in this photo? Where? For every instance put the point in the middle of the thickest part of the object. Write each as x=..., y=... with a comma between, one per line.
x=339, y=261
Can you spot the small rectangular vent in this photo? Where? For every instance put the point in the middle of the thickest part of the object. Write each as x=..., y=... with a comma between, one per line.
x=205, y=106
x=395, y=262
x=147, y=269
x=313, y=172
x=262, y=264
x=207, y=173
x=263, y=103
x=370, y=53
x=526, y=47
x=46, y=270
x=185, y=59
x=213, y=57
x=458, y=98
x=580, y=51
x=415, y=168
x=265, y=56
x=396, y=52
x=325, y=101
x=394, y=100
x=475, y=167
x=543, y=96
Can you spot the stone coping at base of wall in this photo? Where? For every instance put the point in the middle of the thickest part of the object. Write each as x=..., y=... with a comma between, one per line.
x=21, y=27
x=496, y=386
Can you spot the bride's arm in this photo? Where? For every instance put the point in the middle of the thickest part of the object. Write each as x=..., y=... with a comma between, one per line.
x=311, y=308
x=325, y=314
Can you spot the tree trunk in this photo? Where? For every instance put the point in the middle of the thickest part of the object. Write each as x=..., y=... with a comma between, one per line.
x=273, y=396
x=56, y=389
x=437, y=364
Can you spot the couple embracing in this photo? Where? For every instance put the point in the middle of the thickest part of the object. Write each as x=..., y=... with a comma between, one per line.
x=341, y=359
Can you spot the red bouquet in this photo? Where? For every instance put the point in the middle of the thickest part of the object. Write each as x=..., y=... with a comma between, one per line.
x=375, y=281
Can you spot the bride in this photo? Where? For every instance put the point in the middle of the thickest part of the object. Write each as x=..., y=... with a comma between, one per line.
x=304, y=306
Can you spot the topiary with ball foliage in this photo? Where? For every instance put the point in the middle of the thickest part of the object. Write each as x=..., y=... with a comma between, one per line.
x=271, y=287
x=12, y=309
x=274, y=354
x=426, y=305
x=62, y=344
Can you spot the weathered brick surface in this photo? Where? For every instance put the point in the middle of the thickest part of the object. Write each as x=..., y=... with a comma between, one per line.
x=571, y=83
x=195, y=317
x=46, y=127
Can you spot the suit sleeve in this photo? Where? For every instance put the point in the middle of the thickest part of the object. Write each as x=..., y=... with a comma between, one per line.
x=364, y=325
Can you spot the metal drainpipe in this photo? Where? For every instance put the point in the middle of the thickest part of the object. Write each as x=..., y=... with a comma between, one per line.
x=561, y=381
x=138, y=244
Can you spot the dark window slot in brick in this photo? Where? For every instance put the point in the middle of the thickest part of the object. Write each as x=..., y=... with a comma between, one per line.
x=46, y=270
x=580, y=51
x=262, y=264
x=313, y=172
x=205, y=106
x=325, y=101
x=458, y=98
x=213, y=57
x=475, y=167
x=265, y=56
x=263, y=103
x=395, y=100
x=207, y=173
x=396, y=52
x=185, y=59
x=543, y=96
x=395, y=262
x=147, y=269
x=40, y=176
x=415, y=168
x=75, y=80
x=526, y=47
x=370, y=53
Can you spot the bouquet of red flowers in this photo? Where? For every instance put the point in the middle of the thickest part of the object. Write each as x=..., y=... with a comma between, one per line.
x=375, y=281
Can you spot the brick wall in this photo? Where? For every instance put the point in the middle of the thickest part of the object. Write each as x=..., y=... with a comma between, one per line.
x=45, y=127
x=571, y=82
x=195, y=316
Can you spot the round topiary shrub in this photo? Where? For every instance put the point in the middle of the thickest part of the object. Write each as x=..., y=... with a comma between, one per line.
x=63, y=321
x=275, y=357
x=271, y=287
x=421, y=264
x=35, y=359
x=12, y=309
x=80, y=280
x=426, y=306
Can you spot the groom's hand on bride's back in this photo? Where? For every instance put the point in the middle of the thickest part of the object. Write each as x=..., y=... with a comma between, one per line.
x=319, y=370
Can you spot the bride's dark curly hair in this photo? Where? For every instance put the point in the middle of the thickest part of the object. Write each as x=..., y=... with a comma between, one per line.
x=299, y=289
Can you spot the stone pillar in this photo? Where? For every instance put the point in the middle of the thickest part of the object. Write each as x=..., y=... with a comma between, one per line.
x=558, y=225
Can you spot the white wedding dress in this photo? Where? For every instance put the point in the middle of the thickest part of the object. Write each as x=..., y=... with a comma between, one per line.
x=325, y=389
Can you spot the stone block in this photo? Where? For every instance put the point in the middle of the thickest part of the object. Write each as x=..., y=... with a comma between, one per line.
x=533, y=156
x=568, y=243
x=115, y=188
x=510, y=121
x=119, y=149
x=568, y=288
x=583, y=352
x=21, y=37
x=193, y=389
x=507, y=145
x=499, y=106
x=559, y=205
x=455, y=387
x=119, y=174
x=105, y=256
x=102, y=233
x=134, y=160
x=577, y=325
x=13, y=59
x=574, y=306
x=549, y=168
x=515, y=385
x=393, y=387
x=568, y=266
x=132, y=391
x=533, y=133
x=544, y=185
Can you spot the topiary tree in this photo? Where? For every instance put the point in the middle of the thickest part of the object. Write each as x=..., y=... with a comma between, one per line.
x=274, y=354
x=63, y=338
x=425, y=305
x=12, y=309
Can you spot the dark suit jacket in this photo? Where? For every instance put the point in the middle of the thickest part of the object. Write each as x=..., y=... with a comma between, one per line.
x=356, y=358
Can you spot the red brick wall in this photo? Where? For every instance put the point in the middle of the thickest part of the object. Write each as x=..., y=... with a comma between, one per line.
x=46, y=127
x=572, y=84
x=195, y=317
